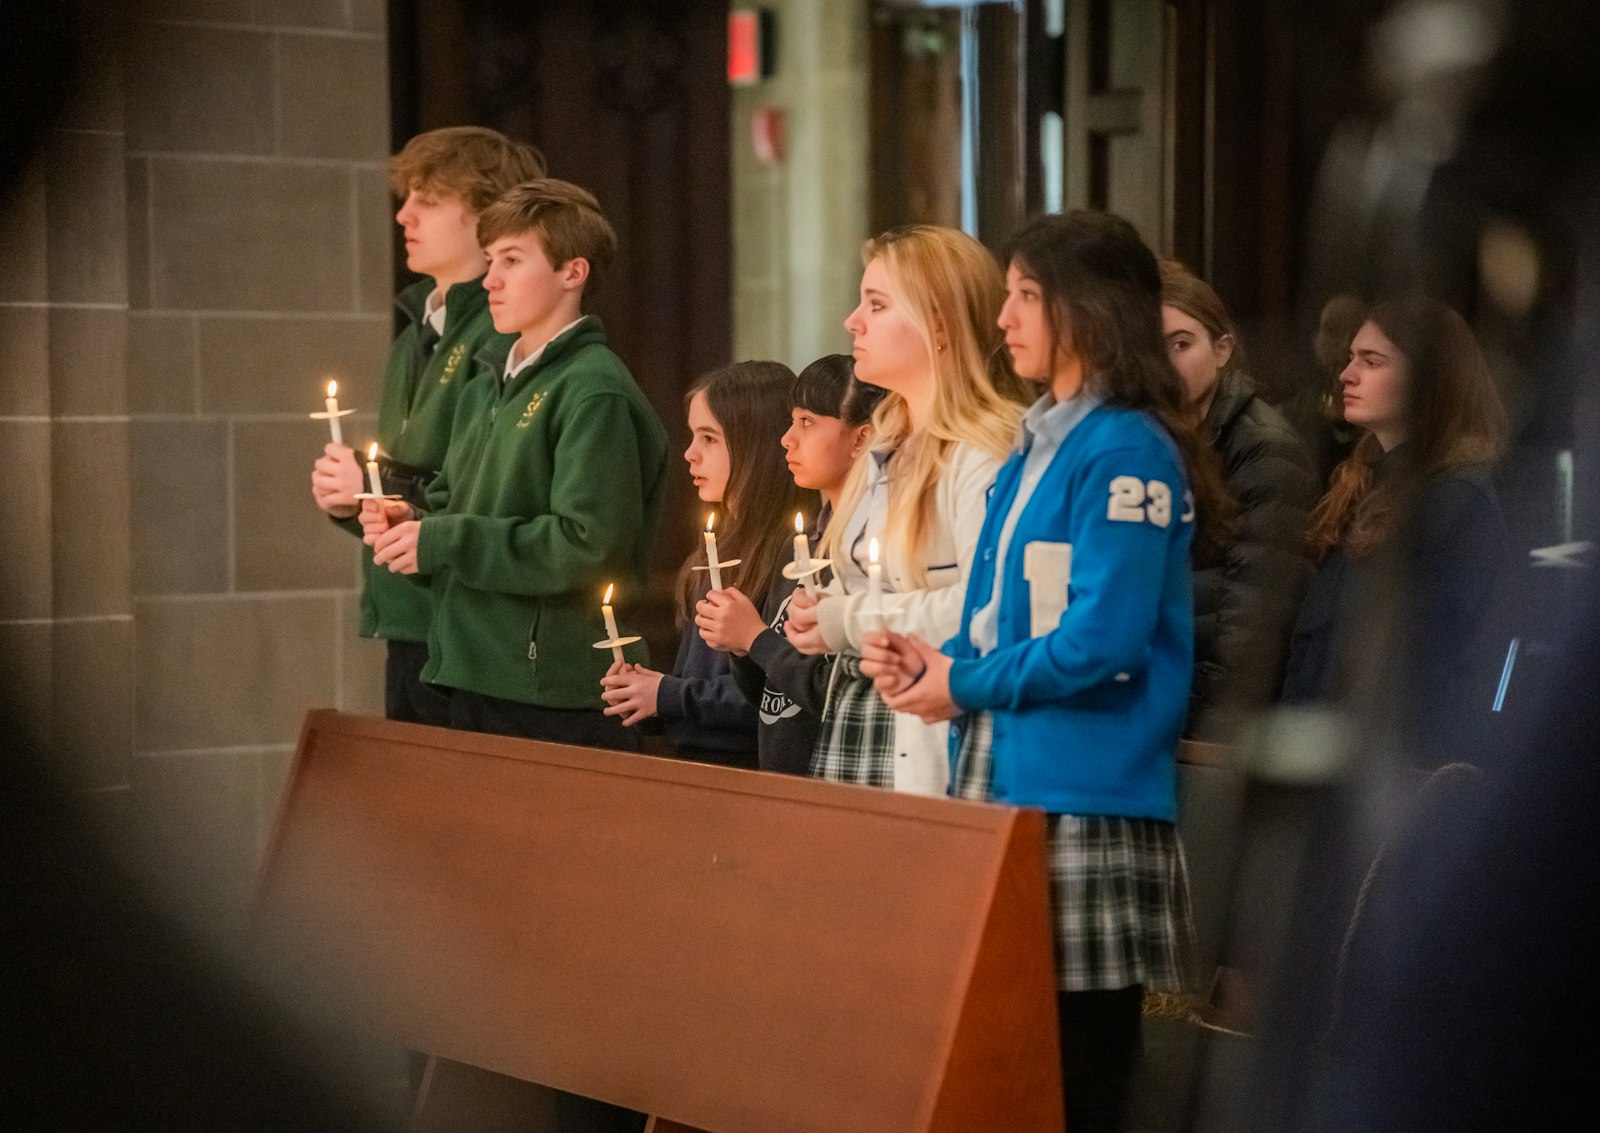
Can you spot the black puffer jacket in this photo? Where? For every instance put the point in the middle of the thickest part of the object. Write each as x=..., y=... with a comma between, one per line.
x=1245, y=601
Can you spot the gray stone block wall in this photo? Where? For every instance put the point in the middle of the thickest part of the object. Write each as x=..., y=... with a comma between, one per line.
x=203, y=241
x=257, y=141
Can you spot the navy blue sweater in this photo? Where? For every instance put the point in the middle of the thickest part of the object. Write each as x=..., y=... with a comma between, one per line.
x=703, y=711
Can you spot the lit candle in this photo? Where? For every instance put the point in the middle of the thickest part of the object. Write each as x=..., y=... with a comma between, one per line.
x=611, y=623
x=802, y=550
x=711, y=552
x=874, y=584
x=374, y=482
x=332, y=402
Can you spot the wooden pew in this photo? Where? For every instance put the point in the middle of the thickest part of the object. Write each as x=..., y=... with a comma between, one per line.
x=725, y=950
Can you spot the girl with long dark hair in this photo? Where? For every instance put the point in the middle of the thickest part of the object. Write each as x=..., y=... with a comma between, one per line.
x=736, y=417
x=1416, y=494
x=830, y=426
x=1246, y=598
x=1068, y=680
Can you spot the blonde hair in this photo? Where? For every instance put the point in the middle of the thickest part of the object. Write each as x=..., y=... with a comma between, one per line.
x=948, y=286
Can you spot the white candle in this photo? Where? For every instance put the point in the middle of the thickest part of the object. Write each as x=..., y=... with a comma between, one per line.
x=874, y=584
x=712, y=564
x=611, y=623
x=802, y=550
x=374, y=482
x=332, y=402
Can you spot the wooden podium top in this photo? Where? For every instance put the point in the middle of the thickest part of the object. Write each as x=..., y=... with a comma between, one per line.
x=727, y=949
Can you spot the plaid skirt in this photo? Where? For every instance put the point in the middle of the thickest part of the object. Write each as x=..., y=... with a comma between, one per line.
x=855, y=743
x=1119, y=888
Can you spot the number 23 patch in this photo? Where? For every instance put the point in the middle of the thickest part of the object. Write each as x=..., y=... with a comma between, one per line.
x=1134, y=500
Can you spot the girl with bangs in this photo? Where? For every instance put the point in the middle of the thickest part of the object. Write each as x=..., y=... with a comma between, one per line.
x=737, y=417
x=1068, y=679
x=831, y=422
x=924, y=331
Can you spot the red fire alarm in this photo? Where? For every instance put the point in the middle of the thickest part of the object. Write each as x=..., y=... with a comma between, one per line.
x=767, y=135
x=749, y=46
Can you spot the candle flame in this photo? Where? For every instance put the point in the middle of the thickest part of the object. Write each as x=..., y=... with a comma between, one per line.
x=372, y=451
x=872, y=550
x=333, y=388
x=799, y=524
x=606, y=601
x=711, y=519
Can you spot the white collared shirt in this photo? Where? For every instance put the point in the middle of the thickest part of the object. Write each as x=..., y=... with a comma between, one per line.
x=433, y=311
x=515, y=366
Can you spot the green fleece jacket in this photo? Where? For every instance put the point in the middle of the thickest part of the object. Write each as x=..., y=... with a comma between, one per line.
x=421, y=389
x=552, y=488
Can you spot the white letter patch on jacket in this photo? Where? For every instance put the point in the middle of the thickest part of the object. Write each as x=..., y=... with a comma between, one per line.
x=1048, y=569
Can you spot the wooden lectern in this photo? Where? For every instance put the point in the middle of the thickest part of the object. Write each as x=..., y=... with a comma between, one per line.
x=726, y=950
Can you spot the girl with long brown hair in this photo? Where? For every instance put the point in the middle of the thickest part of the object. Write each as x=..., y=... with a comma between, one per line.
x=1068, y=679
x=1245, y=598
x=831, y=425
x=737, y=417
x=1418, y=483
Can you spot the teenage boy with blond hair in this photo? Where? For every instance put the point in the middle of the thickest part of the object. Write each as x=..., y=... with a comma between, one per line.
x=551, y=490
x=444, y=179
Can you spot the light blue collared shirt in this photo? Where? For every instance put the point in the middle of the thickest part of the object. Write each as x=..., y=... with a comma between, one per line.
x=1044, y=428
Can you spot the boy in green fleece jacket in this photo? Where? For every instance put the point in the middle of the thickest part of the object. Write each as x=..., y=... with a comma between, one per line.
x=443, y=179
x=551, y=489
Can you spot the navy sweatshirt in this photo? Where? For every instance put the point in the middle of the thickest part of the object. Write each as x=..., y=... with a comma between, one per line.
x=703, y=713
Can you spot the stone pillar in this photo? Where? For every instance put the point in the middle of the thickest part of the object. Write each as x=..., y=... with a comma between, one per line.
x=66, y=621
x=258, y=237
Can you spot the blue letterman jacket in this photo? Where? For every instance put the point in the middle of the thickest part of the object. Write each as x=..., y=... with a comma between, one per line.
x=1089, y=681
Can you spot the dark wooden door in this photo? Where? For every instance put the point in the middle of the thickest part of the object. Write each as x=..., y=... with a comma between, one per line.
x=629, y=99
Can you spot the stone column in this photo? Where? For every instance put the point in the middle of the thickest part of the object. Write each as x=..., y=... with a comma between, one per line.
x=66, y=623
x=258, y=236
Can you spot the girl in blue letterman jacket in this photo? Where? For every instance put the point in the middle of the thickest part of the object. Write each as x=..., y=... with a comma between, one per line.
x=1068, y=681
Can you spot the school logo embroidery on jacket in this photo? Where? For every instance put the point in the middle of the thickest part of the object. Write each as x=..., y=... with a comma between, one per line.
x=533, y=407
x=452, y=362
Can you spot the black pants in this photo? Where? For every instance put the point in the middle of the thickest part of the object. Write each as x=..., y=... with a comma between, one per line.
x=585, y=727
x=405, y=697
x=1100, y=1047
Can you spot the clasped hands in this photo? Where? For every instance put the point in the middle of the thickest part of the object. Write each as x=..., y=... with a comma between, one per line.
x=911, y=675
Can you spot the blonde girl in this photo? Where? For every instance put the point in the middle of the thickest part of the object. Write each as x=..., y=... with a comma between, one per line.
x=925, y=332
